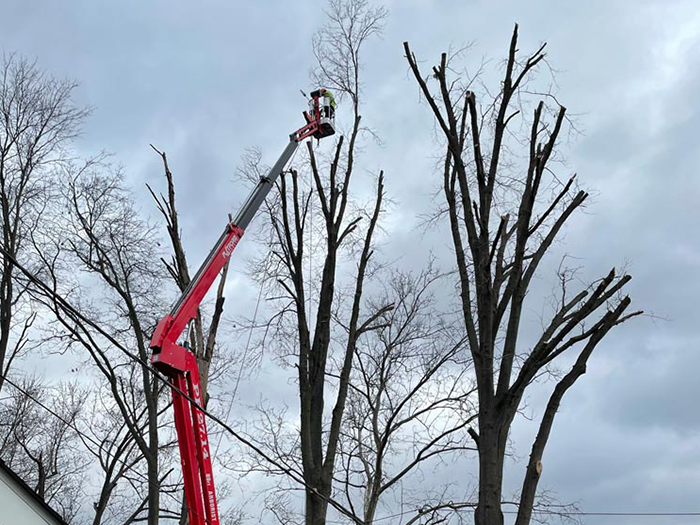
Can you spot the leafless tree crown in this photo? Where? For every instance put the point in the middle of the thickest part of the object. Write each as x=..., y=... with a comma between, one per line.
x=498, y=250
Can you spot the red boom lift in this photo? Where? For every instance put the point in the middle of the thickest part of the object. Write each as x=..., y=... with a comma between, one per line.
x=177, y=361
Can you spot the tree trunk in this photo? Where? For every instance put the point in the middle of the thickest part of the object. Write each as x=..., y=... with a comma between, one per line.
x=316, y=506
x=488, y=510
x=6, y=298
x=151, y=392
x=101, y=506
x=153, y=491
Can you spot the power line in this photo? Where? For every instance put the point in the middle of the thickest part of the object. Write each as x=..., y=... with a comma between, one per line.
x=582, y=513
x=544, y=511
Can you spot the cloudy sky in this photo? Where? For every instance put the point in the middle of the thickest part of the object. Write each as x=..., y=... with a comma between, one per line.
x=205, y=80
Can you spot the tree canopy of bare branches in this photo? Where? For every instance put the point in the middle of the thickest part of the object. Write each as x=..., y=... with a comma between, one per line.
x=410, y=402
x=39, y=442
x=119, y=288
x=37, y=121
x=501, y=228
x=321, y=334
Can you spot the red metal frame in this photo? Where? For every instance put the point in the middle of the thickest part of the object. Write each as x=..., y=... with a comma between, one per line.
x=179, y=364
x=313, y=127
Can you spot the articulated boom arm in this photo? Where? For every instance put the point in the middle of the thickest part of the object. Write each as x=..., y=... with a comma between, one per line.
x=180, y=364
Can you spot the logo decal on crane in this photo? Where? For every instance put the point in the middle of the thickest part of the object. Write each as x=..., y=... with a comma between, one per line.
x=228, y=249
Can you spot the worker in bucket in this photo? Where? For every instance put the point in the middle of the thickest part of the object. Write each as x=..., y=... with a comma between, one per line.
x=328, y=102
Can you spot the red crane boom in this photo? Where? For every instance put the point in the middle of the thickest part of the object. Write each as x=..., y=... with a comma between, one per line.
x=178, y=362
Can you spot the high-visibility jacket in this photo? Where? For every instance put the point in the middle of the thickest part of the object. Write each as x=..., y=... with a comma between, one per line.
x=329, y=94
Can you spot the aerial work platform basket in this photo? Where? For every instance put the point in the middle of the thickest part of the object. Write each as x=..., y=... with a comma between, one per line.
x=322, y=112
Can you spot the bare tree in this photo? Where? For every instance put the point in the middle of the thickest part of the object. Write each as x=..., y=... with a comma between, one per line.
x=202, y=341
x=40, y=443
x=410, y=403
x=502, y=226
x=37, y=121
x=119, y=289
x=108, y=439
x=321, y=318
